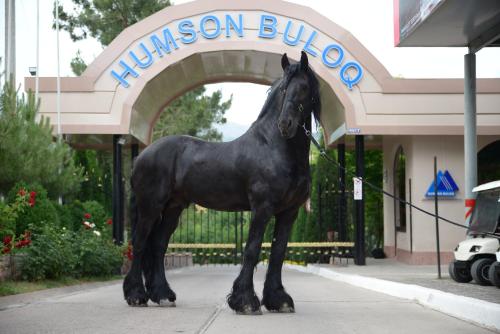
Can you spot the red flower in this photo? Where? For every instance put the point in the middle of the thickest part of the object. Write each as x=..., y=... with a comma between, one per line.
x=22, y=192
x=33, y=194
x=109, y=221
x=87, y=216
x=31, y=201
x=7, y=240
x=128, y=252
x=6, y=250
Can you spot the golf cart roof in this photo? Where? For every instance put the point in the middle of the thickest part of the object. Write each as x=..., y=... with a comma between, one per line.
x=486, y=213
x=487, y=186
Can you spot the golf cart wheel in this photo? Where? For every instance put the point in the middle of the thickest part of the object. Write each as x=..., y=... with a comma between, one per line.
x=494, y=274
x=480, y=271
x=460, y=274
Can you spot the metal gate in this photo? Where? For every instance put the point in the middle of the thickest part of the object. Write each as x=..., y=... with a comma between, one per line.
x=217, y=237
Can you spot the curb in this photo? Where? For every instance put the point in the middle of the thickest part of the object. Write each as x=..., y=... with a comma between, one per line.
x=480, y=312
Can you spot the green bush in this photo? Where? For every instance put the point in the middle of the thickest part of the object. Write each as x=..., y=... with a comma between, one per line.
x=97, y=255
x=97, y=213
x=42, y=212
x=59, y=252
x=51, y=254
x=71, y=215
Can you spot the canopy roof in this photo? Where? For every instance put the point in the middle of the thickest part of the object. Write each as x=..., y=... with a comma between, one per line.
x=447, y=23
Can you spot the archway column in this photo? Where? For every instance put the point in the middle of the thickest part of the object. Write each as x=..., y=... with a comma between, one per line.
x=118, y=191
x=360, y=204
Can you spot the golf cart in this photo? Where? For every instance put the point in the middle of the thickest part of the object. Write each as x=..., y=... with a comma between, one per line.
x=478, y=257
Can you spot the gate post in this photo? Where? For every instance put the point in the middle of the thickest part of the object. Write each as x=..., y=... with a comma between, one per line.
x=342, y=225
x=118, y=198
x=360, y=204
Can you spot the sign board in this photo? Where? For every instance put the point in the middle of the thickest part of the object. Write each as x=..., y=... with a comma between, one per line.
x=358, y=189
x=446, y=186
x=252, y=26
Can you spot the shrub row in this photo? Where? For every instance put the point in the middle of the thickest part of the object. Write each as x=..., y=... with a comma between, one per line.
x=59, y=252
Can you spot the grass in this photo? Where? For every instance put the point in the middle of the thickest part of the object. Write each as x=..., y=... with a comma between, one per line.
x=8, y=288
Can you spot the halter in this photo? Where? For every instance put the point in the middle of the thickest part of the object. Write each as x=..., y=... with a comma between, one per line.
x=300, y=107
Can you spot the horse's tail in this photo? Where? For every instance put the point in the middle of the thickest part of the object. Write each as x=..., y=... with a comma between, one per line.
x=133, y=215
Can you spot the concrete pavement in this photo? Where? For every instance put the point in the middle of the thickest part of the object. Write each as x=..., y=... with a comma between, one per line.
x=322, y=306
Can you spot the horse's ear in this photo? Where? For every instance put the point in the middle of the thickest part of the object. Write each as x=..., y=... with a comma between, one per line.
x=284, y=62
x=304, y=62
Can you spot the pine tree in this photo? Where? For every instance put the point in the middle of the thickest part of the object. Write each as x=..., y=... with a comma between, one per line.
x=28, y=152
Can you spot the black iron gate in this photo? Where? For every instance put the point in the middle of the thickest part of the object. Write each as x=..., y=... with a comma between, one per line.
x=217, y=237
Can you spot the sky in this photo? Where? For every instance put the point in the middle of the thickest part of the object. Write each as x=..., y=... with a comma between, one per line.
x=371, y=22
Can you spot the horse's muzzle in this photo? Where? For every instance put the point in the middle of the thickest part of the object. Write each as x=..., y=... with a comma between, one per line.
x=287, y=128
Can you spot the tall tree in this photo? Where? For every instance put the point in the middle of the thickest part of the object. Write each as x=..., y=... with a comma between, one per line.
x=28, y=151
x=193, y=113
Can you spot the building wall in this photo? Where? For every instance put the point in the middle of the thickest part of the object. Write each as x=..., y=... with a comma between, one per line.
x=420, y=152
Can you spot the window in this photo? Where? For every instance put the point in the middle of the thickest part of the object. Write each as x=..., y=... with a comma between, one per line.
x=400, y=190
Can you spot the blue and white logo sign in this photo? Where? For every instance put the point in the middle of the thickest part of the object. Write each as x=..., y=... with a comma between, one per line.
x=446, y=186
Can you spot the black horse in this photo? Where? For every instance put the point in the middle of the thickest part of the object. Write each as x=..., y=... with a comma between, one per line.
x=266, y=170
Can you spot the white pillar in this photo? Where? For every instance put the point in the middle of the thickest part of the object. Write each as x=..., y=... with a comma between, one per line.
x=10, y=41
x=470, y=139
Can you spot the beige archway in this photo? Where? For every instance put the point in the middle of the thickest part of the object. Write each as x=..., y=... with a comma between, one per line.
x=96, y=104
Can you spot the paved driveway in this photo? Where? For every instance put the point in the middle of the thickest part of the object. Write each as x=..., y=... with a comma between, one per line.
x=322, y=306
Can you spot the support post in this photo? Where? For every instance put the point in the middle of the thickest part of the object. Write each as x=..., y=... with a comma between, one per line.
x=436, y=213
x=10, y=42
x=235, y=238
x=342, y=226
x=360, y=204
x=134, y=152
x=118, y=196
x=320, y=223
x=411, y=216
x=470, y=139
x=241, y=236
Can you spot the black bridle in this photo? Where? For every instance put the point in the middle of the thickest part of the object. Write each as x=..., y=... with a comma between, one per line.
x=300, y=106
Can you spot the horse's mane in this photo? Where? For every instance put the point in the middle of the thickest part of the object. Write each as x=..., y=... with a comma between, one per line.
x=278, y=84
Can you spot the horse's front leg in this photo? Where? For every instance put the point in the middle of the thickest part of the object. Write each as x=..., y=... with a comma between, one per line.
x=275, y=297
x=242, y=298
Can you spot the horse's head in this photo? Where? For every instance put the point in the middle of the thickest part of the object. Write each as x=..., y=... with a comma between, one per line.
x=300, y=91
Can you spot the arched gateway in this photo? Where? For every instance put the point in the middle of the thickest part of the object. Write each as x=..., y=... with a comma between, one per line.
x=206, y=41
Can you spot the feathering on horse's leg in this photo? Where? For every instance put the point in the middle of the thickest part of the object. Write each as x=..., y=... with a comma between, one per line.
x=133, y=287
x=157, y=286
x=242, y=298
x=274, y=296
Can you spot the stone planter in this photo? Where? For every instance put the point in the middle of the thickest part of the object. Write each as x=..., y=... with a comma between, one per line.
x=4, y=267
x=178, y=260
x=16, y=262
x=126, y=266
x=10, y=266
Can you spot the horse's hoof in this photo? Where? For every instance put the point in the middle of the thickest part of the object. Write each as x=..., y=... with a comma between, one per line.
x=137, y=302
x=247, y=310
x=166, y=303
x=285, y=308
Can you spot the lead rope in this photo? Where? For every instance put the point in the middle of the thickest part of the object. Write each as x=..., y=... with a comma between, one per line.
x=322, y=153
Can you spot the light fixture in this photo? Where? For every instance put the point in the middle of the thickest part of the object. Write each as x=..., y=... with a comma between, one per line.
x=121, y=141
x=32, y=70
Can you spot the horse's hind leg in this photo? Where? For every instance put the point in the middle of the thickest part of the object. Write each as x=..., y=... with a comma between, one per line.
x=274, y=296
x=154, y=267
x=133, y=288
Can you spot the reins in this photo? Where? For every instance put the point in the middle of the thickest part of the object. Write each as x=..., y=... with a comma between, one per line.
x=322, y=153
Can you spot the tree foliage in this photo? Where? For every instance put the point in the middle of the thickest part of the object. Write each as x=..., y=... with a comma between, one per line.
x=105, y=19
x=28, y=152
x=193, y=114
